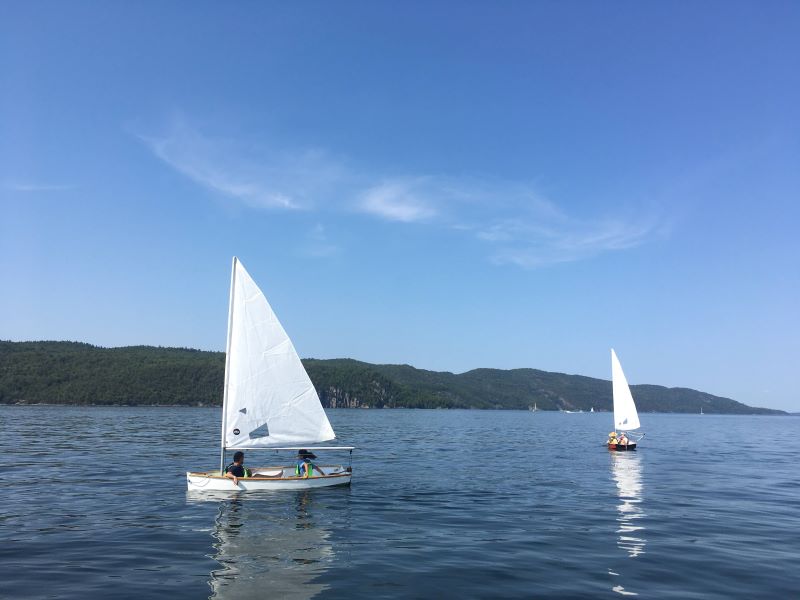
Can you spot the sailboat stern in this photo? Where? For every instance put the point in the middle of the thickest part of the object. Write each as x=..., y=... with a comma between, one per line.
x=622, y=447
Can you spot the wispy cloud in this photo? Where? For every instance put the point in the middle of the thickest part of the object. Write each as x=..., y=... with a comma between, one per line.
x=31, y=186
x=318, y=244
x=522, y=227
x=517, y=224
x=567, y=241
x=398, y=200
x=257, y=176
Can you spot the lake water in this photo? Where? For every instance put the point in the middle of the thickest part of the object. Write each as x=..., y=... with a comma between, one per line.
x=443, y=504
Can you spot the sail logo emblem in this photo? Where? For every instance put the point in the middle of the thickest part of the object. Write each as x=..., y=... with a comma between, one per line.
x=235, y=432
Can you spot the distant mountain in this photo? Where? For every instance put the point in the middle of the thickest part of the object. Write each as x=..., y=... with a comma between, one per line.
x=77, y=373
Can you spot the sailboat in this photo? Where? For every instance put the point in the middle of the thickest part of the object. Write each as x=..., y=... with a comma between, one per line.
x=269, y=402
x=625, y=416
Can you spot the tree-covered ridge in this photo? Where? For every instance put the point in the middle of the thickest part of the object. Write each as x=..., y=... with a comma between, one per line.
x=76, y=373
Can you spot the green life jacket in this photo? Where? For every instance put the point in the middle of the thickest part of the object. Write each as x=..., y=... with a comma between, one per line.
x=298, y=469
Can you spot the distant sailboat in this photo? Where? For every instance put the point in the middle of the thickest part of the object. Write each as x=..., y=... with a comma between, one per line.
x=533, y=408
x=701, y=410
x=625, y=416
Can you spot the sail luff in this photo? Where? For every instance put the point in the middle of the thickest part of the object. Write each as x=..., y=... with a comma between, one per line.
x=227, y=367
x=625, y=415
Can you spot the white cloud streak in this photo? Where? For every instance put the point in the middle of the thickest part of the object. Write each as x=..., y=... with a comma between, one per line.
x=518, y=225
x=257, y=177
x=398, y=200
x=572, y=241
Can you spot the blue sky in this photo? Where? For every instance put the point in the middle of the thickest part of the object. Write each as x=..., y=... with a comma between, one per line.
x=448, y=185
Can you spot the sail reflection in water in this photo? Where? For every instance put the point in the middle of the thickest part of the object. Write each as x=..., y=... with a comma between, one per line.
x=268, y=548
x=627, y=471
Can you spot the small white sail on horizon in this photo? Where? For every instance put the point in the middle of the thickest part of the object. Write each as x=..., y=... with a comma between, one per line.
x=625, y=415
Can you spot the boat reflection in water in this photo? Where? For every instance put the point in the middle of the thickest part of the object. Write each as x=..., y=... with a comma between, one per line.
x=627, y=470
x=272, y=546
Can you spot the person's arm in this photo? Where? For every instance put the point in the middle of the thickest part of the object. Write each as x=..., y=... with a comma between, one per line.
x=321, y=472
x=230, y=475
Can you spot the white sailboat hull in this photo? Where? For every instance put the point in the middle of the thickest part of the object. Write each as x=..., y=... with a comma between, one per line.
x=273, y=478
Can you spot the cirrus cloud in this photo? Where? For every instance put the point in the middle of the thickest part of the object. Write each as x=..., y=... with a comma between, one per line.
x=517, y=225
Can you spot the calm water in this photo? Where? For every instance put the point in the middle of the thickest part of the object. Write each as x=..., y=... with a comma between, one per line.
x=444, y=504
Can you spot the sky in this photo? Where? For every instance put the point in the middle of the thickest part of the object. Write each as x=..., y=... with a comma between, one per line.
x=450, y=185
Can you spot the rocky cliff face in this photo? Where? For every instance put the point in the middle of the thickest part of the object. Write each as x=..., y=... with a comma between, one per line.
x=336, y=397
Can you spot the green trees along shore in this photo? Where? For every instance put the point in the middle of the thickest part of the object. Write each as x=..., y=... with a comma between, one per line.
x=82, y=374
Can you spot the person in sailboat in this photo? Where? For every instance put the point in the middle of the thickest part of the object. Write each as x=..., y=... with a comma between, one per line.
x=612, y=437
x=623, y=439
x=305, y=468
x=237, y=470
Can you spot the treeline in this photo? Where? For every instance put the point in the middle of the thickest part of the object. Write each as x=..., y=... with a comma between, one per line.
x=77, y=373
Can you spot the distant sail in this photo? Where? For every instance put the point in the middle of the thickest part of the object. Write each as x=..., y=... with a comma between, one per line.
x=625, y=415
x=270, y=400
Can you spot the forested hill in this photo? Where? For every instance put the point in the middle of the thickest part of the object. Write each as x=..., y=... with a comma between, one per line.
x=76, y=373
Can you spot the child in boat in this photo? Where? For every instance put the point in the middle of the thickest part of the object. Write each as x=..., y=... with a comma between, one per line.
x=612, y=437
x=305, y=468
x=237, y=469
x=623, y=439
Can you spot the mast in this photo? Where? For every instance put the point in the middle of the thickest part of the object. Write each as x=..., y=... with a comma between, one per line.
x=227, y=369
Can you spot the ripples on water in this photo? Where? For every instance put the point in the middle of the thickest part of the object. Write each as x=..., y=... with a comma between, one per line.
x=444, y=504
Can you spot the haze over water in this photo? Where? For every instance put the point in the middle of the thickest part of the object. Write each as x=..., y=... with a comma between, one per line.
x=448, y=504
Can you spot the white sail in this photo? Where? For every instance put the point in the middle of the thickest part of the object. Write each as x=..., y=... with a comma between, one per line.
x=625, y=415
x=269, y=399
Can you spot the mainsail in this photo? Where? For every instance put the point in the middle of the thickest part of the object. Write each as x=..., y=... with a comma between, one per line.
x=269, y=400
x=625, y=415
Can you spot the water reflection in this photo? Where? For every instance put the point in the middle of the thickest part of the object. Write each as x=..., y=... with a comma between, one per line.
x=626, y=468
x=270, y=547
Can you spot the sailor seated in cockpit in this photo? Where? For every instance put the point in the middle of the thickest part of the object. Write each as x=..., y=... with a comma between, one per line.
x=237, y=470
x=305, y=468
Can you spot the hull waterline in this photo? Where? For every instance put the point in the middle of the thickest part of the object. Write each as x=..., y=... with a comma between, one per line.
x=621, y=447
x=212, y=481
